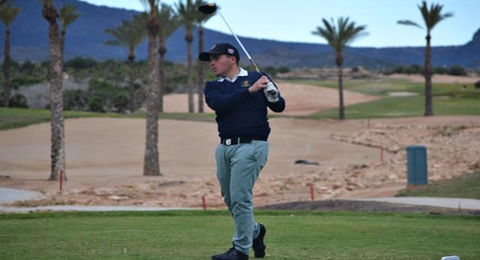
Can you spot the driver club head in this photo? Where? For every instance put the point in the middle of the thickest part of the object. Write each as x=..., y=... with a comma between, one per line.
x=208, y=8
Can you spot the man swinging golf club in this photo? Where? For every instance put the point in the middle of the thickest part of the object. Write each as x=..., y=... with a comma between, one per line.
x=241, y=115
x=240, y=102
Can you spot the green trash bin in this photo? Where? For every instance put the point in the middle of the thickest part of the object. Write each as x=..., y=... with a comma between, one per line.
x=417, y=171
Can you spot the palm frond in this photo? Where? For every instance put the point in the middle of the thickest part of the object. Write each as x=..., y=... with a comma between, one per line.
x=408, y=22
x=340, y=33
x=129, y=34
x=169, y=21
x=431, y=16
x=8, y=13
x=68, y=15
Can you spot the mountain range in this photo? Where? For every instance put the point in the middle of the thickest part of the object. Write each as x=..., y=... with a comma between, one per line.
x=86, y=37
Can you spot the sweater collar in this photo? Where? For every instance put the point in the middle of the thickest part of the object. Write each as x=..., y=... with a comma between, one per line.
x=242, y=73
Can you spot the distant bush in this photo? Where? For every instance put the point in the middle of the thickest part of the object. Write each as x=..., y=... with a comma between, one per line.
x=75, y=100
x=106, y=97
x=272, y=71
x=25, y=81
x=417, y=69
x=80, y=63
x=95, y=104
x=283, y=69
x=457, y=71
x=18, y=100
x=27, y=67
x=120, y=103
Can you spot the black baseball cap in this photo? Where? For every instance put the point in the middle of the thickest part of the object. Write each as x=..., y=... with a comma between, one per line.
x=219, y=49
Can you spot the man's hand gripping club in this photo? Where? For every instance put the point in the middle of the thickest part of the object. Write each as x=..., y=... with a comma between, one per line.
x=269, y=88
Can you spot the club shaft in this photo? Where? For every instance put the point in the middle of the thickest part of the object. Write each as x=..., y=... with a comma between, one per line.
x=240, y=43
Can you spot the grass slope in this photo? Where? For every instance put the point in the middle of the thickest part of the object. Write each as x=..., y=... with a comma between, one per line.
x=465, y=186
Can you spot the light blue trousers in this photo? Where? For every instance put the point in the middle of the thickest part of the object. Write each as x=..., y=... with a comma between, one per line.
x=238, y=168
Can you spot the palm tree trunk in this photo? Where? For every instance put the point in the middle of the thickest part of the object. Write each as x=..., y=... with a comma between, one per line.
x=190, y=78
x=6, y=71
x=131, y=82
x=151, y=165
x=161, y=73
x=428, y=78
x=201, y=70
x=341, y=106
x=56, y=105
x=62, y=47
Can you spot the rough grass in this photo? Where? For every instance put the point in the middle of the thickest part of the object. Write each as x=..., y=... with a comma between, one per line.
x=465, y=186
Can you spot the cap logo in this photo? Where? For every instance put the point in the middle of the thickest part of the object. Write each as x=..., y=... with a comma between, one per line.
x=231, y=51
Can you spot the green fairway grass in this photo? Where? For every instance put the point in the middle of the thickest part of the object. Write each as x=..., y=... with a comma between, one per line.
x=199, y=234
x=448, y=99
x=391, y=107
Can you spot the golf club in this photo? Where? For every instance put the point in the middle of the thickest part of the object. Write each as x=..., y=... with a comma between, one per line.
x=212, y=8
x=271, y=90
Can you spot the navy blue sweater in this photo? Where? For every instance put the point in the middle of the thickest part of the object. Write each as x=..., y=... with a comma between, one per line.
x=239, y=113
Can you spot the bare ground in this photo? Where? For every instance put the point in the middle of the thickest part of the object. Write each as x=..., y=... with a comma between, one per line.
x=356, y=158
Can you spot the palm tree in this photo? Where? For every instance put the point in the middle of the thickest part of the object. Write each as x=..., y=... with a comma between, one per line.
x=56, y=93
x=151, y=165
x=200, y=19
x=188, y=12
x=68, y=15
x=431, y=17
x=169, y=23
x=338, y=37
x=129, y=35
x=8, y=13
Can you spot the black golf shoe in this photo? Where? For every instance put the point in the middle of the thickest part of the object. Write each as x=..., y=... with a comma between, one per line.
x=258, y=244
x=231, y=254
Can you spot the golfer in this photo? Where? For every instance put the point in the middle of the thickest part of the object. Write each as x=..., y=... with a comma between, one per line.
x=240, y=101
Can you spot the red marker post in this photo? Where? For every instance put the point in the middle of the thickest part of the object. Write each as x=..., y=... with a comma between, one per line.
x=204, y=203
x=61, y=180
x=312, y=193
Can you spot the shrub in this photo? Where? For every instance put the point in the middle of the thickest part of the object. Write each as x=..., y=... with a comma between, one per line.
x=120, y=103
x=457, y=71
x=24, y=81
x=75, y=99
x=283, y=69
x=106, y=97
x=27, y=67
x=95, y=104
x=18, y=100
x=80, y=63
x=477, y=85
x=270, y=71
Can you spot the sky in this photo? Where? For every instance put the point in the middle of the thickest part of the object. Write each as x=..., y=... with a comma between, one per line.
x=294, y=20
